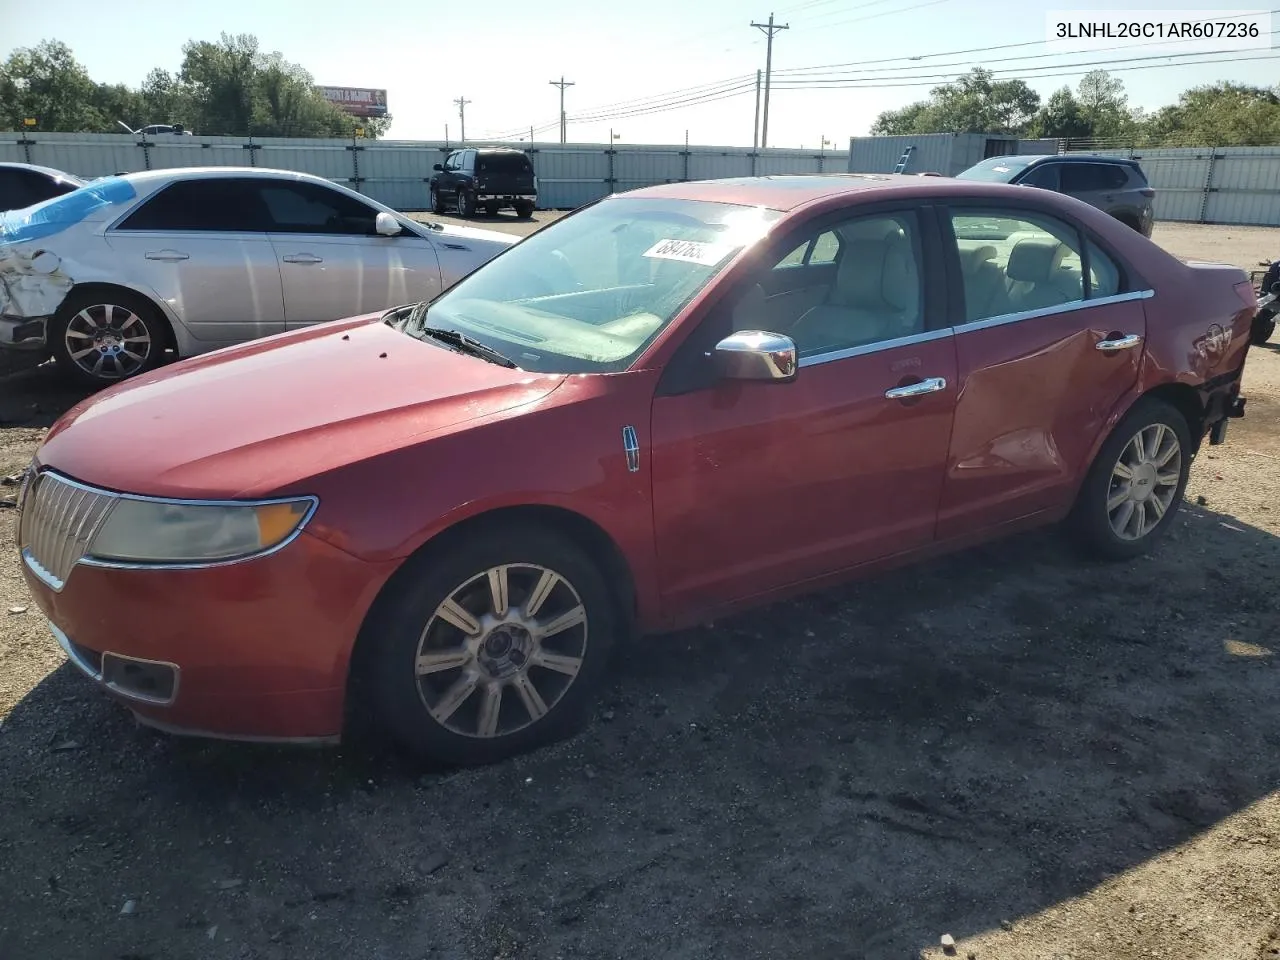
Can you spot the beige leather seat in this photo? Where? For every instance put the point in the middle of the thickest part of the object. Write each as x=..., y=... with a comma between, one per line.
x=985, y=294
x=876, y=297
x=1036, y=281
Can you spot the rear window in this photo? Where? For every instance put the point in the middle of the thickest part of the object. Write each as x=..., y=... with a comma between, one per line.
x=53, y=216
x=995, y=169
x=503, y=163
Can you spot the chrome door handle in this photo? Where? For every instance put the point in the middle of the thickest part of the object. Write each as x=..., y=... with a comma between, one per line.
x=1122, y=343
x=167, y=255
x=303, y=258
x=932, y=385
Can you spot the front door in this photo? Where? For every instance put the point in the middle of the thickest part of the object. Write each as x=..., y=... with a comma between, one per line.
x=757, y=485
x=333, y=263
x=201, y=246
x=1035, y=389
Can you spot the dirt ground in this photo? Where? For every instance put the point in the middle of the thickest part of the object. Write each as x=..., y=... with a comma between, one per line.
x=1039, y=757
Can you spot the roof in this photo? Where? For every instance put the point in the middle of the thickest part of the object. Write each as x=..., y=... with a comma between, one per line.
x=169, y=173
x=1065, y=158
x=792, y=191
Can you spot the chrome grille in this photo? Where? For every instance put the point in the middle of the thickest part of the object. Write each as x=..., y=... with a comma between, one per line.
x=58, y=521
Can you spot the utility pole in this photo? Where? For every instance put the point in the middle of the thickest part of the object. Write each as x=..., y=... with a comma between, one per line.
x=462, y=118
x=755, y=127
x=562, y=83
x=768, y=29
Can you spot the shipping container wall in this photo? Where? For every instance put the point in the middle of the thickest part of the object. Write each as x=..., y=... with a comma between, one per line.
x=397, y=172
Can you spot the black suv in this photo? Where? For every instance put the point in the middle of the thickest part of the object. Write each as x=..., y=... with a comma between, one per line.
x=1114, y=185
x=485, y=177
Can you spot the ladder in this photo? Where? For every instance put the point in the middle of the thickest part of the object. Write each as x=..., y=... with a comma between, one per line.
x=904, y=160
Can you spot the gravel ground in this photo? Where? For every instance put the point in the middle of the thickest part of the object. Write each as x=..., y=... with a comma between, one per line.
x=1039, y=757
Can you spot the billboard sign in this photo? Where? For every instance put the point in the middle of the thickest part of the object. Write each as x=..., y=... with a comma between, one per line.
x=357, y=101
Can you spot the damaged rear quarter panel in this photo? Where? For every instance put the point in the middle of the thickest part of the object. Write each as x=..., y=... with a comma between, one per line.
x=34, y=279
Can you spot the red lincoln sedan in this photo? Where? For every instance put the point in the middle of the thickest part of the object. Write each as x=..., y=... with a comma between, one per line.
x=671, y=404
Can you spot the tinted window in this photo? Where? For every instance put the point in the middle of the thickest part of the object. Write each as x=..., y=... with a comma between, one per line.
x=22, y=188
x=226, y=205
x=13, y=189
x=1083, y=177
x=1012, y=262
x=311, y=208
x=503, y=163
x=875, y=294
x=452, y=162
x=1044, y=176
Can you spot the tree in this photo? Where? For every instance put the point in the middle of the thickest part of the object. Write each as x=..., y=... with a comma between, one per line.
x=1104, y=105
x=974, y=103
x=46, y=82
x=1061, y=117
x=1222, y=114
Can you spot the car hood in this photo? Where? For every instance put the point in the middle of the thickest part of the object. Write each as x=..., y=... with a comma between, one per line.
x=264, y=416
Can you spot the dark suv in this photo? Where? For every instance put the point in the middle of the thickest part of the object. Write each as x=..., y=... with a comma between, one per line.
x=1114, y=185
x=485, y=177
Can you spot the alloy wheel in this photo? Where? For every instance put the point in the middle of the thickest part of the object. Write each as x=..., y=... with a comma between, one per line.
x=501, y=650
x=1144, y=481
x=108, y=342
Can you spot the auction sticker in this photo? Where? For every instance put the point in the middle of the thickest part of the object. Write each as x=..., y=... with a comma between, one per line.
x=689, y=251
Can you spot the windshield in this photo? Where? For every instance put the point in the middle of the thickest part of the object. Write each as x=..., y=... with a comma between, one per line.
x=587, y=294
x=996, y=169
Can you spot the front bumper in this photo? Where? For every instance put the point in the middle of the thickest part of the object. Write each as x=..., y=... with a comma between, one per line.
x=23, y=333
x=254, y=651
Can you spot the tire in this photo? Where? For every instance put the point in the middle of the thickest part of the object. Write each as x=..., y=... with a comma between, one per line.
x=1156, y=501
x=524, y=210
x=491, y=209
x=1263, y=328
x=440, y=714
x=466, y=204
x=103, y=338
x=437, y=205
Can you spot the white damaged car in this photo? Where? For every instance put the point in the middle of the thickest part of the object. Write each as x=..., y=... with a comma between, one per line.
x=110, y=276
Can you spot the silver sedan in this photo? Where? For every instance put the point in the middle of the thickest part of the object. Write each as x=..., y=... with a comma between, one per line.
x=110, y=276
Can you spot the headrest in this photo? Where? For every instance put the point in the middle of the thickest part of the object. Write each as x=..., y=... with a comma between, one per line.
x=901, y=284
x=973, y=258
x=861, y=269
x=1033, y=261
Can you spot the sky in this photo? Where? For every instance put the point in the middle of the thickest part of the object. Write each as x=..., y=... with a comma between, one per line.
x=502, y=55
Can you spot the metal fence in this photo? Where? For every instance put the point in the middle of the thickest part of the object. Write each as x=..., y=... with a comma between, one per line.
x=396, y=172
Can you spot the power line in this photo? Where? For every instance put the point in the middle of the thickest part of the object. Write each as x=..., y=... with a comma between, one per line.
x=1019, y=71
x=769, y=30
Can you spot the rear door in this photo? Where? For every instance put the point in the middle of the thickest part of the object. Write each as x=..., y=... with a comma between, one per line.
x=1035, y=389
x=504, y=173
x=333, y=263
x=201, y=246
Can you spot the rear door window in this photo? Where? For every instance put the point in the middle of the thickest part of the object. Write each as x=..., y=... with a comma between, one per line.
x=1086, y=177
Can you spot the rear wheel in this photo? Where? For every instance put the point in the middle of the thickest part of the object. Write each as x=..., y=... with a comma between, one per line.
x=491, y=647
x=524, y=209
x=466, y=203
x=103, y=338
x=1135, y=486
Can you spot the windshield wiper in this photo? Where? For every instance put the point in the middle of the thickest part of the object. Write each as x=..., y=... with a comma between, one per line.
x=467, y=344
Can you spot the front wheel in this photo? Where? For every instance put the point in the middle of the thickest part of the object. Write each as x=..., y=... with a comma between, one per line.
x=491, y=646
x=1135, y=486
x=102, y=338
x=437, y=205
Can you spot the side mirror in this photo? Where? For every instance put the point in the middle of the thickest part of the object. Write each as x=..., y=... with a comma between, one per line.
x=437, y=166
x=386, y=225
x=756, y=355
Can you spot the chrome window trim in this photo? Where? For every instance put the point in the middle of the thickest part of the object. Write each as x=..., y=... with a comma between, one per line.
x=1072, y=307
x=866, y=348
x=997, y=321
x=91, y=561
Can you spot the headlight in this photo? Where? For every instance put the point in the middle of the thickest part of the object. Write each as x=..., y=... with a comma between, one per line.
x=148, y=531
